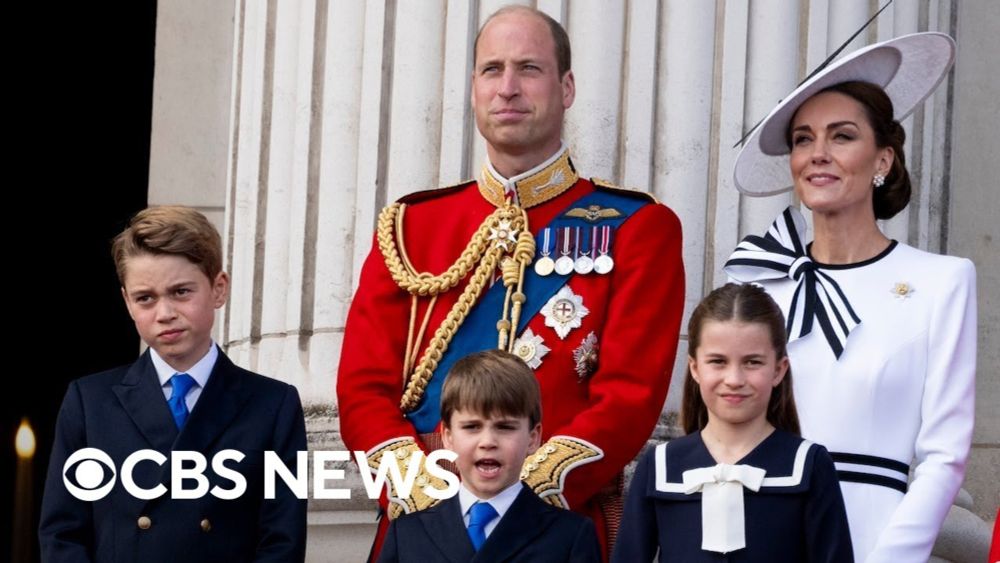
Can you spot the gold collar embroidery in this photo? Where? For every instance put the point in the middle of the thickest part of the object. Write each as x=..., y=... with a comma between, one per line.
x=534, y=187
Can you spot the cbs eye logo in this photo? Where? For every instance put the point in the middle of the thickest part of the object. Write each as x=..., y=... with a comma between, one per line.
x=89, y=474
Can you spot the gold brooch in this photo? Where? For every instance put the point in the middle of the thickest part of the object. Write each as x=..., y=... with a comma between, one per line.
x=902, y=290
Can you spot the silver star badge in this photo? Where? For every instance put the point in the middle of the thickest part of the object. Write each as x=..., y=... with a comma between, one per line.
x=530, y=348
x=503, y=234
x=564, y=311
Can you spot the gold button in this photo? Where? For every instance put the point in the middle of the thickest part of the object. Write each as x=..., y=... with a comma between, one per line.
x=541, y=457
x=144, y=522
x=206, y=526
x=402, y=453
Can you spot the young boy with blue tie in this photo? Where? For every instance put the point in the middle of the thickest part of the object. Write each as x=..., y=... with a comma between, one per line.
x=182, y=394
x=491, y=413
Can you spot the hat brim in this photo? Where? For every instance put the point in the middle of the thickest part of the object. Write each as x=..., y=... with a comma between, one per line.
x=908, y=68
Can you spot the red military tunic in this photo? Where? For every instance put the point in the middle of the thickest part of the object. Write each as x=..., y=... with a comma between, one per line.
x=634, y=312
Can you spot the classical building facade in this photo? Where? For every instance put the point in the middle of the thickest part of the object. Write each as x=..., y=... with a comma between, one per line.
x=292, y=122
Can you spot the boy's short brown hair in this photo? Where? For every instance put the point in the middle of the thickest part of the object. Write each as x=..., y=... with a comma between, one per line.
x=170, y=229
x=492, y=383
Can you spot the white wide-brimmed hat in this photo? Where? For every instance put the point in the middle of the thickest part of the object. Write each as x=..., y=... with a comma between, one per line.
x=908, y=68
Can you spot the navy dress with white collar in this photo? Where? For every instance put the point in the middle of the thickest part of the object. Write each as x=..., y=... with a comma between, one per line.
x=796, y=516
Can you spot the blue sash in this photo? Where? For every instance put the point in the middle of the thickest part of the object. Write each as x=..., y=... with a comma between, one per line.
x=479, y=331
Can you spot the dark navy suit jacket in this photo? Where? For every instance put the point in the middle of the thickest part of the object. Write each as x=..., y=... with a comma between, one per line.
x=530, y=530
x=123, y=410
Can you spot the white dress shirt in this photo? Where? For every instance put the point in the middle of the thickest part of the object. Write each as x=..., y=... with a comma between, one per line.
x=200, y=372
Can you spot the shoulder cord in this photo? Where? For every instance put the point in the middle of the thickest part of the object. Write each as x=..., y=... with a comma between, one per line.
x=478, y=253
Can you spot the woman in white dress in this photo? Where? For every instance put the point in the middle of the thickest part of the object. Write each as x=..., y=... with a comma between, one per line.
x=883, y=334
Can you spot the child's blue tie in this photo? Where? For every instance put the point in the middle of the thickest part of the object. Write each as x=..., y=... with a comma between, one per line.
x=181, y=383
x=481, y=514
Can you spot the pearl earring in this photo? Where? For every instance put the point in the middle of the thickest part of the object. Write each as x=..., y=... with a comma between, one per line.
x=879, y=180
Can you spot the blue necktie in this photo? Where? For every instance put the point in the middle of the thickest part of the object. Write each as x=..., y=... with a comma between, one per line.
x=481, y=514
x=181, y=383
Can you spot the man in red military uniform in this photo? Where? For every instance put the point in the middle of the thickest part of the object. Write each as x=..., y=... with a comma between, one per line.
x=582, y=280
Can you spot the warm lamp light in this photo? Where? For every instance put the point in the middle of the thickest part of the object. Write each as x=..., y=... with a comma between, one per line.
x=24, y=441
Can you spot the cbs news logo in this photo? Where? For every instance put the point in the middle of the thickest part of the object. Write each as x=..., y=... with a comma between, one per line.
x=89, y=474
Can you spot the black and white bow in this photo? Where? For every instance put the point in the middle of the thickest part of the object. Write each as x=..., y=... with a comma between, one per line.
x=781, y=253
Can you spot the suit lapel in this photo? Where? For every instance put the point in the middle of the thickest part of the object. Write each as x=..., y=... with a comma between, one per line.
x=140, y=394
x=219, y=403
x=142, y=398
x=445, y=526
x=526, y=519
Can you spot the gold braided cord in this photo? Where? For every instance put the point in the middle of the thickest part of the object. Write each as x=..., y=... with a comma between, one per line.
x=423, y=329
x=409, y=339
x=481, y=253
x=389, y=232
x=444, y=333
x=399, y=240
x=512, y=272
x=524, y=253
x=507, y=265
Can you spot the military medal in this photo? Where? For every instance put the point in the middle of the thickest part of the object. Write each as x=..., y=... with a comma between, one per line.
x=603, y=264
x=564, y=265
x=584, y=261
x=564, y=311
x=545, y=265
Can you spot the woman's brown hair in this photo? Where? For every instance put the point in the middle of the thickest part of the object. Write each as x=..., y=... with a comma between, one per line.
x=743, y=303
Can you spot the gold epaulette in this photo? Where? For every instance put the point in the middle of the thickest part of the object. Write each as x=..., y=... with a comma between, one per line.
x=606, y=185
x=402, y=448
x=545, y=471
x=424, y=195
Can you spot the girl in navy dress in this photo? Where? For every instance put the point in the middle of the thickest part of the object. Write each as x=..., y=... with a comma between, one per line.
x=741, y=485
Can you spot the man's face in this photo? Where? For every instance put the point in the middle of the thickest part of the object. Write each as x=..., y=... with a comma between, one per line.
x=517, y=94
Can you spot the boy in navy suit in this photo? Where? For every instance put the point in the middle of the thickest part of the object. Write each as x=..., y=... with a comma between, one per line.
x=182, y=395
x=491, y=413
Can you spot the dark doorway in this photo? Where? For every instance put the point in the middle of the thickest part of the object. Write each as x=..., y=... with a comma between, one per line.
x=82, y=94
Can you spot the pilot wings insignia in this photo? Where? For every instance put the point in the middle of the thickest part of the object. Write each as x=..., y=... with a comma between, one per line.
x=593, y=213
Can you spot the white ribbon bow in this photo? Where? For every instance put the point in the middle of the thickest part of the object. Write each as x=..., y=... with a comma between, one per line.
x=723, y=528
x=781, y=253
